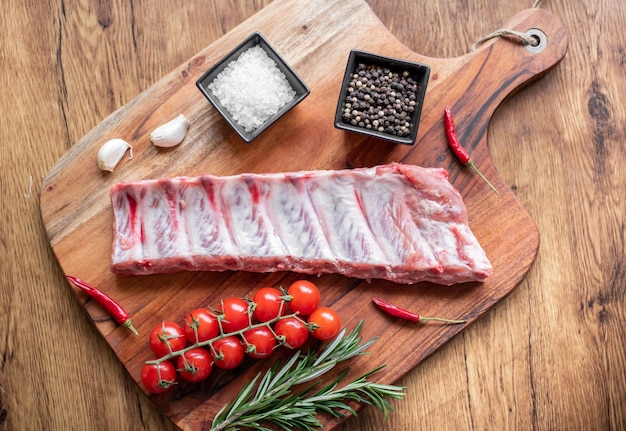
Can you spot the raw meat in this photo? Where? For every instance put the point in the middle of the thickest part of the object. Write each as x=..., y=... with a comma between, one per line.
x=396, y=222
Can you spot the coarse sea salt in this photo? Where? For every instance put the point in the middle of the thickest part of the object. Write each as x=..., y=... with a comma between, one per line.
x=252, y=88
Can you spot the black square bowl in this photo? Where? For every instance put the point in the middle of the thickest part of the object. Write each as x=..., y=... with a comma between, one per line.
x=378, y=98
x=256, y=38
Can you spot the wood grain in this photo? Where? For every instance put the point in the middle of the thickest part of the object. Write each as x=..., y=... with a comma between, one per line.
x=316, y=42
x=550, y=356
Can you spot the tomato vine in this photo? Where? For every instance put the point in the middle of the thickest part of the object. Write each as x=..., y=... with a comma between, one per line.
x=237, y=327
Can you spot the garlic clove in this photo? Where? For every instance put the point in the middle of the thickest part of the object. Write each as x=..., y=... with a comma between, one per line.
x=171, y=133
x=111, y=153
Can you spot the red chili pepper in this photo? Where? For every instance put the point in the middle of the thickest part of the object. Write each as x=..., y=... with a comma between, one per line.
x=458, y=150
x=115, y=310
x=401, y=313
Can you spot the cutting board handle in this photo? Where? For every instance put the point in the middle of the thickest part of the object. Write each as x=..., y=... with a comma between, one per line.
x=476, y=83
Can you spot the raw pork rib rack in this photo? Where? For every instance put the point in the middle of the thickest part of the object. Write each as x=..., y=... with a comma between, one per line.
x=396, y=222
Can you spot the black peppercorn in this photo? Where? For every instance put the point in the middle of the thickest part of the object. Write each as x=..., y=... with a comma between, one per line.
x=380, y=99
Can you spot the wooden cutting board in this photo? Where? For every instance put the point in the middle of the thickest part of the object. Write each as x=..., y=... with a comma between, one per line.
x=315, y=38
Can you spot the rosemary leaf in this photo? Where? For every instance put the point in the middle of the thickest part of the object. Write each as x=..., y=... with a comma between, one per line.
x=271, y=400
x=244, y=395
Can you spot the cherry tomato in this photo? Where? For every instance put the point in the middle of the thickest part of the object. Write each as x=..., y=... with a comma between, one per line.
x=158, y=378
x=235, y=314
x=268, y=302
x=305, y=297
x=327, y=323
x=261, y=342
x=294, y=330
x=205, y=323
x=198, y=365
x=167, y=335
x=231, y=352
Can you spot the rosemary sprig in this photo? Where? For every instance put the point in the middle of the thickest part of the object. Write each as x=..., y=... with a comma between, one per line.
x=270, y=398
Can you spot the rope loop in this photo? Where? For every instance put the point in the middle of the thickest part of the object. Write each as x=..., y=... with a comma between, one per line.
x=524, y=37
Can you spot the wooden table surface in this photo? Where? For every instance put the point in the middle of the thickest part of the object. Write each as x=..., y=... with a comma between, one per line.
x=551, y=355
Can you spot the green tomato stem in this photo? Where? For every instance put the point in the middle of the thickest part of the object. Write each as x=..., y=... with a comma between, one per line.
x=222, y=335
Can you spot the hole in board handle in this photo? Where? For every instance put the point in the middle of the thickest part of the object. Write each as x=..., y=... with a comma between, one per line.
x=540, y=38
